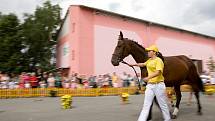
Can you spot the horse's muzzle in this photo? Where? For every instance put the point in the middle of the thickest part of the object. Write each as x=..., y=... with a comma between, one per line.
x=115, y=63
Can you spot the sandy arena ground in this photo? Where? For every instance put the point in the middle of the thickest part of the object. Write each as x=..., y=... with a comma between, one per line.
x=105, y=108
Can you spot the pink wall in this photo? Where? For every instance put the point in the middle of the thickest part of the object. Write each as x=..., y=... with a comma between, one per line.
x=59, y=49
x=105, y=40
x=72, y=37
x=86, y=39
x=80, y=38
x=172, y=42
x=93, y=36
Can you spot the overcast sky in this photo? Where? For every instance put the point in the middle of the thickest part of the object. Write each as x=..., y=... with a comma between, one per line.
x=193, y=15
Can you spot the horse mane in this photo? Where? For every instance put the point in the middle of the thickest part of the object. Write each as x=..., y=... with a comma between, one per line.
x=159, y=54
x=135, y=43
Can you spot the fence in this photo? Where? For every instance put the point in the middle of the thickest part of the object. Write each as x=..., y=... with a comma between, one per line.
x=38, y=92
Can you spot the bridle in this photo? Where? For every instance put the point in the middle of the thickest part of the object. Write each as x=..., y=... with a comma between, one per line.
x=122, y=61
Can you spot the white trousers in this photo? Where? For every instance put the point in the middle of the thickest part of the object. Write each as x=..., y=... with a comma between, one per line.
x=158, y=90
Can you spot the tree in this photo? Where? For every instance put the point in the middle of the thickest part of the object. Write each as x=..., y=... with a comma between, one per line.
x=38, y=31
x=10, y=47
x=211, y=64
x=23, y=46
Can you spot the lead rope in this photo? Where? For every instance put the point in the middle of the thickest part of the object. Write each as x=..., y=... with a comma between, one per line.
x=139, y=86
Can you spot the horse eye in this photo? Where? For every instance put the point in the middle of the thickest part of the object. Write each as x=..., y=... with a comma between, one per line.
x=120, y=42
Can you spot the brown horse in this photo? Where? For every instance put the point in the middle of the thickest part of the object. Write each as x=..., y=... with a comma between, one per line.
x=178, y=70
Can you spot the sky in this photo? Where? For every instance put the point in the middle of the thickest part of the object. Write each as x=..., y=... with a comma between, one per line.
x=193, y=15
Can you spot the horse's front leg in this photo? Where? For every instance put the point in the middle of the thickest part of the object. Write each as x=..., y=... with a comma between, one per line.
x=178, y=100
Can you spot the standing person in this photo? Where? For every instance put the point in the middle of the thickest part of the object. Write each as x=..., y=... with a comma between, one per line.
x=114, y=79
x=155, y=84
x=58, y=80
x=0, y=76
x=44, y=77
x=51, y=80
x=39, y=74
x=33, y=80
x=66, y=81
x=5, y=80
x=26, y=78
x=213, y=79
x=21, y=80
x=130, y=80
x=124, y=78
x=92, y=80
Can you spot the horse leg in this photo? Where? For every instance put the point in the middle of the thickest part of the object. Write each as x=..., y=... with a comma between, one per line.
x=196, y=89
x=150, y=113
x=178, y=100
x=198, y=103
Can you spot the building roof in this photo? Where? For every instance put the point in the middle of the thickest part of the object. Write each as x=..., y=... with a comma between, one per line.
x=137, y=19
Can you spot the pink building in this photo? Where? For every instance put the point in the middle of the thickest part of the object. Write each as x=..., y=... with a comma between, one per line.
x=88, y=36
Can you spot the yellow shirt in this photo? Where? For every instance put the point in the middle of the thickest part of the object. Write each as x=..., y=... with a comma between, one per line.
x=152, y=65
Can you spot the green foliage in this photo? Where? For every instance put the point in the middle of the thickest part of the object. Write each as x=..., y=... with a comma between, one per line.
x=27, y=45
x=38, y=30
x=211, y=64
x=10, y=47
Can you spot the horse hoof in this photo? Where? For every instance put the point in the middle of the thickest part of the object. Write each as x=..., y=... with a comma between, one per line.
x=149, y=119
x=199, y=113
x=173, y=117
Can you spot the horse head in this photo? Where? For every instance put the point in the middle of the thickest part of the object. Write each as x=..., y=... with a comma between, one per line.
x=121, y=51
x=127, y=47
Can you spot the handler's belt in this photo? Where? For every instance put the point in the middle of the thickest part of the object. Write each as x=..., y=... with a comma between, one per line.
x=154, y=82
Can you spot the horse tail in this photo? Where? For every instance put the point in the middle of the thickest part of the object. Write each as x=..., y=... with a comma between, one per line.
x=200, y=84
x=193, y=71
x=159, y=54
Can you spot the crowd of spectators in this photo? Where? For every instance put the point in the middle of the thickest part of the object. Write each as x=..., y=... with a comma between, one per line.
x=63, y=80
x=208, y=78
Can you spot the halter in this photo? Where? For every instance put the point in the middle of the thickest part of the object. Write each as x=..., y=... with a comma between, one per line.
x=122, y=61
x=119, y=58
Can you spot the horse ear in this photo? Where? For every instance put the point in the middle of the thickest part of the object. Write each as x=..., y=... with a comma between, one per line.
x=120, y=36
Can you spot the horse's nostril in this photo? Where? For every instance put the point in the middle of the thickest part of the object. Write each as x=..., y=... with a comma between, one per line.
x=115, y=63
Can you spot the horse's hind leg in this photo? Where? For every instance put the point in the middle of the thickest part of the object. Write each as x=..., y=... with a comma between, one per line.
x=150, y=113
x=178, y=100
x=196, y=88
x=198, y=103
